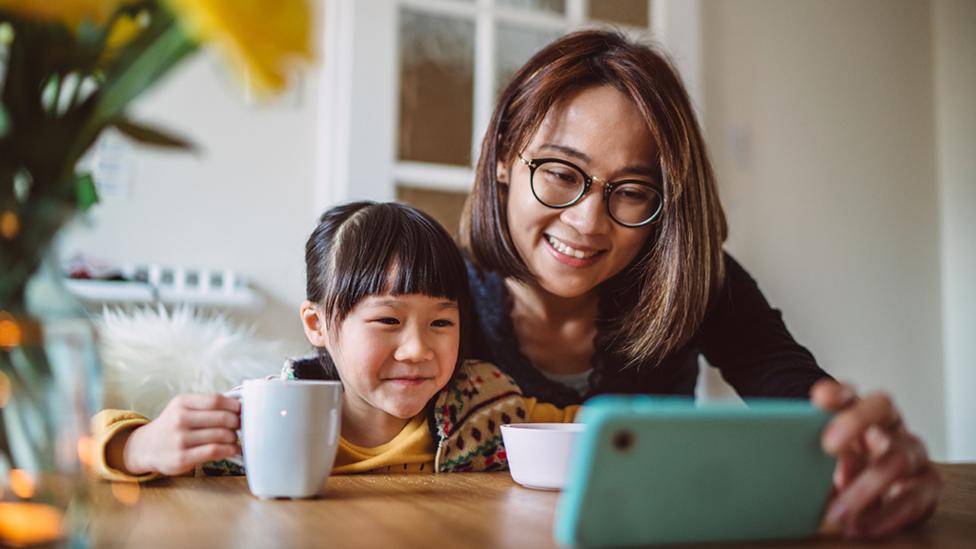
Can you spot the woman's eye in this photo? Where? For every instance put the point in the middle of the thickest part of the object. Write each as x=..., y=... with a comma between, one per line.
x=442, y=323
x=633, y=194
x=388, y=320
x=561, y=176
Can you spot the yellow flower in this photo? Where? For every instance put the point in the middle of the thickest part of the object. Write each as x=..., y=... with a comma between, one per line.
x=70, y=12
x=264, y=38
x=124, y=30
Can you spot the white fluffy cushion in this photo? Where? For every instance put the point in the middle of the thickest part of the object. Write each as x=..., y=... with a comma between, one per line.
x=150, y=355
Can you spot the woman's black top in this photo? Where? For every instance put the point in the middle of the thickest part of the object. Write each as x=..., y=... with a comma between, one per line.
x=741, y=335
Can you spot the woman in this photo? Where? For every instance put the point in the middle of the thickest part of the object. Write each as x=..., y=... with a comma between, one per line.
x=595, y=237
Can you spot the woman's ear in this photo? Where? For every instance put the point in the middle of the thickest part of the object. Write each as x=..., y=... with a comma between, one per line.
x=314, y=325
x=501, y=173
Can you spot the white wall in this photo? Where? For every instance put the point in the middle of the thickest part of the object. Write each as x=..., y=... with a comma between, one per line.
x=245, y=202
x=820, y=118
x=954, y=33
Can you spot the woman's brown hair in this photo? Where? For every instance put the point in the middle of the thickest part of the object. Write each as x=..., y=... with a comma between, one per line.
x=681, y=265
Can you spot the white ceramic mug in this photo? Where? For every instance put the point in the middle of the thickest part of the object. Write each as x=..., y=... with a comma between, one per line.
x=289, y=435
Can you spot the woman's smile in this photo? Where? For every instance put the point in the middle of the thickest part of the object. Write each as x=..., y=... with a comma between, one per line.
x=574, y=255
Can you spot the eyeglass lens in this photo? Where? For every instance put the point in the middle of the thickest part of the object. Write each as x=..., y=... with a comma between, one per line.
x=630, y=203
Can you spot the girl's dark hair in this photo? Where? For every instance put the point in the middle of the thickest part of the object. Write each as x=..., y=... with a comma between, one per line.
x=363, y=249
x=666, y=290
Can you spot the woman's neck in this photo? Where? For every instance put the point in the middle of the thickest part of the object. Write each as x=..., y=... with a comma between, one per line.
x=555, y=333
x=366, y=426
x=534, y=301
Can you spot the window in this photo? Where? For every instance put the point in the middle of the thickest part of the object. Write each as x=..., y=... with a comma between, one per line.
x=410, y=85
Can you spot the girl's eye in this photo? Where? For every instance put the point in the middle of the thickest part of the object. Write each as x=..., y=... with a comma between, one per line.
x=389, y=321
x=442, y=323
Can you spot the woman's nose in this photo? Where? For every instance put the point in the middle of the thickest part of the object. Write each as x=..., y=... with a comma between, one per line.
x=413, y=348
x=589, y=215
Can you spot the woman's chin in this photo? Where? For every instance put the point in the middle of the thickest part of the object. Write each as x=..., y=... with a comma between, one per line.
x=560, y=289
x=563, y=285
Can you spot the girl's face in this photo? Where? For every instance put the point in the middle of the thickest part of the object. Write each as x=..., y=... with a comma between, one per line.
x=395, y=352
x=601, y=131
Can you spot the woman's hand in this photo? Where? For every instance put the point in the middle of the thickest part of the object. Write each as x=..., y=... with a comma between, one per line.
x=884, y=480
x=191, y=430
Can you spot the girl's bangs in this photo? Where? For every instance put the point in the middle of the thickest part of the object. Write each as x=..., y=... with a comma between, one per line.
x=403, y=252
x=424, y=274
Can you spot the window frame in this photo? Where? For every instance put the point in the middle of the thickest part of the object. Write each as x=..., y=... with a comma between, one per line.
x=358, y=87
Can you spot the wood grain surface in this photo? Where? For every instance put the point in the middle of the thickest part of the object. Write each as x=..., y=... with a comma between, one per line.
x=394, y=511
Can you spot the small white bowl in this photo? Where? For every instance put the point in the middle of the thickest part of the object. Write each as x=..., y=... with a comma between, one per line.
x=539, y=453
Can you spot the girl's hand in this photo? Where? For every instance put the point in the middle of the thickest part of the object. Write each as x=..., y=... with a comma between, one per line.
x=191, y=430
x=884, y=480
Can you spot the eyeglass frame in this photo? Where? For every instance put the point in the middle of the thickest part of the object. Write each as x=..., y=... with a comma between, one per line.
x=608, y=189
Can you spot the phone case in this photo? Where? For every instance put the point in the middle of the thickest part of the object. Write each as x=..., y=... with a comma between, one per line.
x=651, y=470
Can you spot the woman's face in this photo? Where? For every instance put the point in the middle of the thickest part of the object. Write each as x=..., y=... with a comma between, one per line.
x=571, y=251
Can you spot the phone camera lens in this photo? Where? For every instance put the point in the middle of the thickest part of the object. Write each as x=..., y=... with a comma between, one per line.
x=623, y=440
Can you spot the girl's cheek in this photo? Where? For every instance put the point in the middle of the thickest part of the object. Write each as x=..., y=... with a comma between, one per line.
x=371, y=362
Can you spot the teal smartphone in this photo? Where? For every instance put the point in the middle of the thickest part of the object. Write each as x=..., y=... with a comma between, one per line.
x=650, y=470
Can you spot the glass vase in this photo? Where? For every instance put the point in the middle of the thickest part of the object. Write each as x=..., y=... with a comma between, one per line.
x=50, y=385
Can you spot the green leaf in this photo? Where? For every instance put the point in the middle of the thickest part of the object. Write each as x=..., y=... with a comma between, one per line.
x=6, y=33
x=22, y=183
x=162, y=46
x=153, y=53
x=86, y=195
x=49, y=93
x=148, y=135
x=4, y=122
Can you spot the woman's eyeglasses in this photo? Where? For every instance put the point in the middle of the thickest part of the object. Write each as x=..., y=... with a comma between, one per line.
x=558, y=183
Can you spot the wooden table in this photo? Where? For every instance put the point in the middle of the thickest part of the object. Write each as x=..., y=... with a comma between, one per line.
x=393, y=511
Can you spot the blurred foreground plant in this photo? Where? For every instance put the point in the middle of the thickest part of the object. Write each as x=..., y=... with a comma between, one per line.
x=68, y=70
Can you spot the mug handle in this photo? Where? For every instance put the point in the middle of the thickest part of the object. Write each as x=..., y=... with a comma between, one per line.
x=238, y=394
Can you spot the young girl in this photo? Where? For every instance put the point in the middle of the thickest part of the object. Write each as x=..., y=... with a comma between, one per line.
x=388, y=310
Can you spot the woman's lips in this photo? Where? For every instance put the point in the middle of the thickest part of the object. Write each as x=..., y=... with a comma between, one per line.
x=568, y=255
